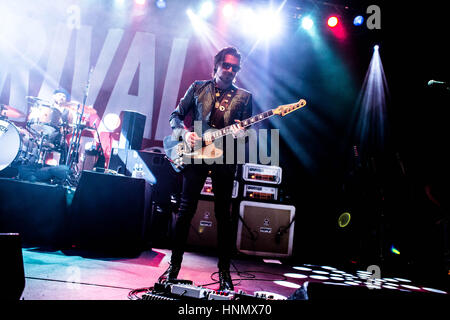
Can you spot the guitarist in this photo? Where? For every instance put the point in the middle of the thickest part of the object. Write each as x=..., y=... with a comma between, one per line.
x=216, y=103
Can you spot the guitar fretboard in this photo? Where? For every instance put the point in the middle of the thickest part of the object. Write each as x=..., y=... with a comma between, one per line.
x=244, y=123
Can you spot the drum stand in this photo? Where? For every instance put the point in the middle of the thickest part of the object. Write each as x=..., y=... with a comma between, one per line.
x=74, y=145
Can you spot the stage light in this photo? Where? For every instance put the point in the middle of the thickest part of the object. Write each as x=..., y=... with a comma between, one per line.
x=394, y=250
x=333, y=21
x=197, y=23
x=270, y=23
x=206, y=9
x=344, y=219
x=160, y=4
x=111, y=121
x=358, y=20
x=140, y=2
x=307, y=23
x=262, y=24
x=376, y=47
x=228, y=10
x=119, y=2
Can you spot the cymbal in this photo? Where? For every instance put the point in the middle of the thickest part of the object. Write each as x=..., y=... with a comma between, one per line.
x=10, y=112
x=36, y=99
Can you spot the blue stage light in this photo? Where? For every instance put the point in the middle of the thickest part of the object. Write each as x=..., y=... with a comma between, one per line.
x=160, y=4
x=358, y=20
x=307, y=23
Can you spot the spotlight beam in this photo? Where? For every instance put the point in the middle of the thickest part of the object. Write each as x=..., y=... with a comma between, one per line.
x=371, y=125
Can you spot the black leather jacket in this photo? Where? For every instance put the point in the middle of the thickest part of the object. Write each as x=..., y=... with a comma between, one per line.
x=200, y=99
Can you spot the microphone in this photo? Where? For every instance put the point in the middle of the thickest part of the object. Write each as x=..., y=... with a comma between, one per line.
x=442, y=84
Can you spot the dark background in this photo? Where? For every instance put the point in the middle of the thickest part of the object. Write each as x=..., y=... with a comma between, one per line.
x=387, y=193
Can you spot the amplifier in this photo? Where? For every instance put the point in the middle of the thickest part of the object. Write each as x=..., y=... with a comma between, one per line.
x=208, y=189
x=261, y=173
x=203, y=230
x=265, y=229
x=260, y=192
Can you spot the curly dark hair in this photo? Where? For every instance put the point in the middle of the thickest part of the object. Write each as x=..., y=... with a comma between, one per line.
x=220, y=56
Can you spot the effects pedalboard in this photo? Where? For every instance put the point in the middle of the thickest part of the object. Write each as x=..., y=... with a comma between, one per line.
x=186, y=290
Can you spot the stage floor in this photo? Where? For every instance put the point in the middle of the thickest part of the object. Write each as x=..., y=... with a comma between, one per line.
x=72, y=275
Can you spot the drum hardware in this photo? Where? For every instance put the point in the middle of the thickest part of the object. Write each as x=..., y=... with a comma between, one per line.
x=74, y=145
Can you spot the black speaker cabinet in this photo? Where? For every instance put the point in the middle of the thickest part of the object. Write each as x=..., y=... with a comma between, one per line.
x=265, y=229
x=37, y=211
x=156, y=170
x=11, y=267
x=108, y=213
x=132, y=130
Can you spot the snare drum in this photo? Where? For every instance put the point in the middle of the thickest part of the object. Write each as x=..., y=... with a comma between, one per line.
x=17, y=146
x=44, y=119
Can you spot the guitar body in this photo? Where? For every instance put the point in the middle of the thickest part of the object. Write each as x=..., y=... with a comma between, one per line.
x=180, y=155
x=172, y=149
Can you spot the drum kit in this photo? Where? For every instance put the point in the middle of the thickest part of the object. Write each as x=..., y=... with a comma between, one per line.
x=45, y=135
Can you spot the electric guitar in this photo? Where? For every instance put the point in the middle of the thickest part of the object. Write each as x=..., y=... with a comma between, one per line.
x=179, y=153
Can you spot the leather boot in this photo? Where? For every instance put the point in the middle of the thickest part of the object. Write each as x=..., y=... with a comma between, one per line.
x=225, y=282
x=170, y=274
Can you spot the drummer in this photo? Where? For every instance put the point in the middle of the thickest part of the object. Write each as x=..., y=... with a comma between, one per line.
x=60, y=99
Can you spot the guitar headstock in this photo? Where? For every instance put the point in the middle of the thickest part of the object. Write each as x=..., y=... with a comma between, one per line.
x=288, y=108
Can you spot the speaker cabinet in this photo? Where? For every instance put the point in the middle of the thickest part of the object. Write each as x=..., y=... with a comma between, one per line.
x=265, y=229
x=203, y=230
x=11, y=267
x=157, y=171
x=108, y=212
x=37, y=211
x=132, y=130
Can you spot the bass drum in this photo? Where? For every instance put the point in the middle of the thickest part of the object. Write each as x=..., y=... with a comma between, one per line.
x=17, y=146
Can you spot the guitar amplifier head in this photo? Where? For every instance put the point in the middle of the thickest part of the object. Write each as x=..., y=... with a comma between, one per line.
x=260, y=192
x=261, y=173
x=265, y=229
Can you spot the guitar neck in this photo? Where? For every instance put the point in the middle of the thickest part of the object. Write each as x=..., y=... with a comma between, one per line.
x=244, y=123
x=280, y=110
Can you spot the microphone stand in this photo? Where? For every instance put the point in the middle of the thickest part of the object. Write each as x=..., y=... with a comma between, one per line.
x=76, y=136
x=100, y=163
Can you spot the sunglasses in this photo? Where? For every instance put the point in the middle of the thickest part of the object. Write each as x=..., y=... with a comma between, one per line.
x=234, y=67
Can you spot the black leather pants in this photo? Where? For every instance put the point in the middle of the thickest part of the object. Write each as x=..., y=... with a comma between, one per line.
x=194, y=177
